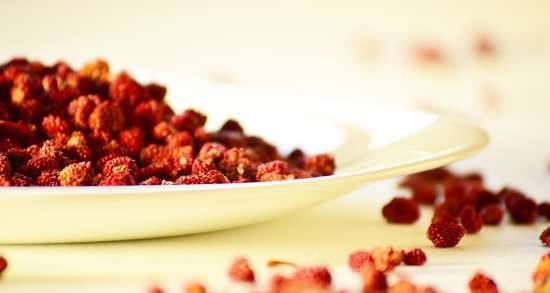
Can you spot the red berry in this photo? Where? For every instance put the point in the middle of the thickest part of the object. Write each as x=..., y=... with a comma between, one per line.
x=492, y=214
x=401, y=210
x=359, y=259
x=272, y=171
x=209, y=177
x=194, y=288
x=386, y=258
x=319, y=276
x=445, y=234
x=320, y=165
x=240, y=271
x=543, y=209
x=76, y=174
x=3, y=264
x=415, y=257
x=480, y=283
x=522, y=210
x=545, y=236
x=155, y=289
x=470, y=220
x=374, y=281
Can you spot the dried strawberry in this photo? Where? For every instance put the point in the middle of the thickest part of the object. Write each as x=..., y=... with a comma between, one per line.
x=76, y=174
x=492, y=214
x=480, y=283
x=386, y=258
x=240, y=271
x=359, y=259
x=545, y=236
x=415, y=257
x=320, y=165
x=445, y=234
x=401, y=210
x=209, y=177
x=273, y=171
x=189, y=120
x=374, y=281
x=319, y=276
x=470, y=220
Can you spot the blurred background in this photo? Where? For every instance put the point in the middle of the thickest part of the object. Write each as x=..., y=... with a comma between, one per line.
x=489, y=60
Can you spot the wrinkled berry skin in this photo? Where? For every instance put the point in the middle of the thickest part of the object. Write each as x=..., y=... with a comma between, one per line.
x=415, y=257
x=480, y=283
x=359, y=260
x=374, y=281
x=386, y=258
x=319, y=276
x=470, y=220
x=401, y=210
x=320, y=165
x=545, y=236
x=209, y=177
x=240, y=271
x=76, y=174
x=445, y=234
x=273, y=171
x=492, y=215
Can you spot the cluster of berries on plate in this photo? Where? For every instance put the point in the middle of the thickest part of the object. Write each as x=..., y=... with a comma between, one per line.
x=65, y=127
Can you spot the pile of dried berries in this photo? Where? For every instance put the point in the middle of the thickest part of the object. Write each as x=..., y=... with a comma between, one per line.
x=65, y=127
x=465, y=206
x=371, y=266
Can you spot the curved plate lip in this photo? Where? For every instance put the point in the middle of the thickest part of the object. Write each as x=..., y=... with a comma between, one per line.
x=422, y=163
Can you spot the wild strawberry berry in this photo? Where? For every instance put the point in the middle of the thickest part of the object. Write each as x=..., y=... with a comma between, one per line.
x=297, y=158
x=48, y=178
x=320, y=165
x=545, y=236
x=480, y=283
x=55, y=125
x=194, y=288
x=133, y=139
x=151, y=181
x=189, y=120
x=319, y=276
x=239, y=163
x=492, y=214
x=414, y=257
x=541, y=275
x=97, y=70
x=359, y=259
x=522, y=209
x=209, y=177
x=107, y=116
x=272, y=171
x=543, y=209
x=386, y=258
x=445, y=234
x=5, y=165
x=232, y=125
x=76, y=174
x=470, y=220
x=155, y=289
x=3, y=264
x=401, y=210
x=241, y=271
x=121, y=178
x=81, y=108
x=120, y=164
x=374, y=281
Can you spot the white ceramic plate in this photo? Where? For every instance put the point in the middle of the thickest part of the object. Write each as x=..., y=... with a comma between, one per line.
x=369, y=143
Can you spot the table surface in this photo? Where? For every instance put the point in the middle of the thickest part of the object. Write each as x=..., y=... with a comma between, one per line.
x=356, y=50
